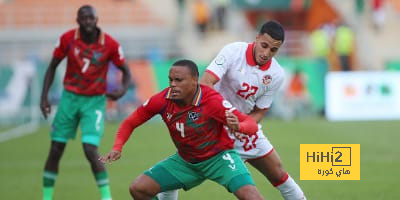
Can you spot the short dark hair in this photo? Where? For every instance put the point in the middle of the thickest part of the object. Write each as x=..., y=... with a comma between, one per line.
x=190, y=65
x=273, y=29
x=87, y=7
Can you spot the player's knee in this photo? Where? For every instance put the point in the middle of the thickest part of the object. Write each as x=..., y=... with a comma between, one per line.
x=137, y=192
x=278, y=177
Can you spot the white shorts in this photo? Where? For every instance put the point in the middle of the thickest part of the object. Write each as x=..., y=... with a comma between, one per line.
x=252, y=147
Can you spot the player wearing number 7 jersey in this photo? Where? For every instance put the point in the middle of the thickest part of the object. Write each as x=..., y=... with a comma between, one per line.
x=89, y=51
x=249, y=77
x=195, y=116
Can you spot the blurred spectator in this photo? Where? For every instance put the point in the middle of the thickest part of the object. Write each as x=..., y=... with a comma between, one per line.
x=180, y=16
x=330, y=29
x=113, y=82
x=201, y=14
x=344, y=46
x=128, y=103
x=221, y=7
x=321, y=45
x=359, y=6
x=117, y=110
x=321, y=48
x=378, y=15
x=297, y=97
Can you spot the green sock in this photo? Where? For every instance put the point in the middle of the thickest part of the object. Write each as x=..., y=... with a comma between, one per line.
x=49, y=179
x=103, y=184
x=48, y=193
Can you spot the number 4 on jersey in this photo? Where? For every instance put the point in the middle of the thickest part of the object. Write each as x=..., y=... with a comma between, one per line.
x=181, y=127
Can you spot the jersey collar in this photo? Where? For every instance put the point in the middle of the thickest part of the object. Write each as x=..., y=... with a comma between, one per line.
x=197, y=97
x=101, y=39
x=250, y=58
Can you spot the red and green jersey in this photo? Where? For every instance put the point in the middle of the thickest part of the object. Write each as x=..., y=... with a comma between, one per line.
x=87, y=64
x=197, y=130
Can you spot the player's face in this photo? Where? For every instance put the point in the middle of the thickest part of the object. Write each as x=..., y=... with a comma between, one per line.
x=265, y=48
x=182, y=83
x=87, y=20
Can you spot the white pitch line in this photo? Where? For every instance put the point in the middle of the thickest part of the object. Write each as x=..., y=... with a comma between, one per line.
x=18, y=132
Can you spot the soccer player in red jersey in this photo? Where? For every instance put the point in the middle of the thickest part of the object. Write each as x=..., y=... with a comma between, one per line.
x=88, y=50
x=195, y=116
x=249, y=76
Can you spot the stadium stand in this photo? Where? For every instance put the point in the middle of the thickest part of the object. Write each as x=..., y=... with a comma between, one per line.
x=56, y=13
x=133, y=23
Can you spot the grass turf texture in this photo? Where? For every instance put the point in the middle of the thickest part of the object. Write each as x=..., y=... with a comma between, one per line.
x=22, y=161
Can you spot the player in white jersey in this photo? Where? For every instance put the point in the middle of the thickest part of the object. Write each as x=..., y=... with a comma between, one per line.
x=249, y=77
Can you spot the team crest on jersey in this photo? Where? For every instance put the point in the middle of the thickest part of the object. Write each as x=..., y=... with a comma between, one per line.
x=169, y=115
x=146, y=102
x=57, y=43
x=226, y=104
x=97, y=55
x=121, y=53
x=76, y=51
x=267, y=80
x=242, y=70
x=220, y=60
x=193, y=116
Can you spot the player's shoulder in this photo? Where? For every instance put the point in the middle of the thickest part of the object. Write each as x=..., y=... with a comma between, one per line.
x=233, y=51
x=209, y=94
x=276, y=66
x=109, y=39
x=212, y=100
x=162, y=95
x=277, y=71
x=158, y=98
x=235, y=46
x=69, y=33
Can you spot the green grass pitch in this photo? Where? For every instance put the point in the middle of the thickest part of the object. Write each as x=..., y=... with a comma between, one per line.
x=22, y=161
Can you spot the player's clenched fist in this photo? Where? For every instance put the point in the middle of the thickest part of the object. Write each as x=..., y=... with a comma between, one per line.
x=110, y=157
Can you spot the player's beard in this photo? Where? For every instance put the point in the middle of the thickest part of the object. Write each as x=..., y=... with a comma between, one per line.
x=179, y=101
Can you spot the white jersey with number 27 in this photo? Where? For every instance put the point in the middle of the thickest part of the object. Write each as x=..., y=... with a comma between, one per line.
x=242, y=81
x=246, y=85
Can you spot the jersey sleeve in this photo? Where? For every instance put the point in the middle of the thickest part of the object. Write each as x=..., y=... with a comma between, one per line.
x=220, y=64
x=143, y=113
x=117, y=53
x=61, y=47
x=217, y=107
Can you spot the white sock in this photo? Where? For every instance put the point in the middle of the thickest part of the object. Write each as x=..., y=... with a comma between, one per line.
x=168, y=195
x=290, y=190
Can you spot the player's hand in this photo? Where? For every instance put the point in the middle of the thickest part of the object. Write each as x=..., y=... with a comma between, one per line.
x=115, y=94
x=232, y=121
x=110, y=157
x=45, y=107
